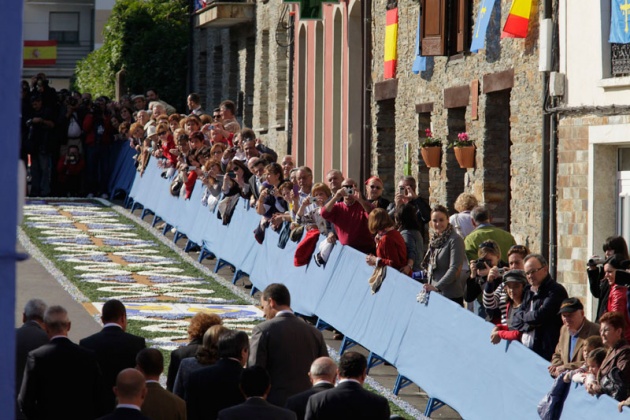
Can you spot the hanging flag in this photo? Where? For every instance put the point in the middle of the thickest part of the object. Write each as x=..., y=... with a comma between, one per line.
x=40, y=53
x=481, y=25
x=420, y=63
x=391, y=41
x=518, y=19
x=619, y=26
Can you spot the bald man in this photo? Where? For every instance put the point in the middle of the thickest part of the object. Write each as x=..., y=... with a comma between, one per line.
x=130, y=390
x=322, y=375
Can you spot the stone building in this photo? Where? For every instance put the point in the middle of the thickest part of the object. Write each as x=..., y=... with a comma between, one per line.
x=591, y=103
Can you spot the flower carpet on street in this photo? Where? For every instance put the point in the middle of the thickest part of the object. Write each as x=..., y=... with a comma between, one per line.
x=104, y=255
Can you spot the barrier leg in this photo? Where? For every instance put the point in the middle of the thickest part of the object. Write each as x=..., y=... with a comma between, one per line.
x=374, y=360
x=128, y=201
x=145, y=212
x=401, y=382
x=220, y=264
x=253, y=291
x=432, y=405
x=237, y=275
x=346, y=343
x=156, y=220
x=166, y=228
x=135, y=206
x=178, y=235
x=189, y=245
x=204, y=253
x=322, y=325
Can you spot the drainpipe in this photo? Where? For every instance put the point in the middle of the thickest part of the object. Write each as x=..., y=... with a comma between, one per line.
x=191, y=42
x=289, y=124
x=366, y=93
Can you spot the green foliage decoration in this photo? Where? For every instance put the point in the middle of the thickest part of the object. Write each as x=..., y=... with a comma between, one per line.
x=149, y=39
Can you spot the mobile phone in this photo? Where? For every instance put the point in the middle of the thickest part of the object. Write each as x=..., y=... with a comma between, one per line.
x=401, y=189
x=231, y=174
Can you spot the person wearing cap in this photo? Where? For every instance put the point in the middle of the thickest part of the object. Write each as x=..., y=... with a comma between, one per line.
x=515, y=283
x=573, y=334
x=139, y=102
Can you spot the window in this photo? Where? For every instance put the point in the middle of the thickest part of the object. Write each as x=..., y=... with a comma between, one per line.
x=64, y=28
x=445, y=27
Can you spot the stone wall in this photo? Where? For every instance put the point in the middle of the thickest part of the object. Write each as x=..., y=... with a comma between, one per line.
x=519, y=132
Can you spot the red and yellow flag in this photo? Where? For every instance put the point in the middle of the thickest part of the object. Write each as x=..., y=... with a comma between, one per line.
x=40, y=53
x=518, y=19
x=391, y=41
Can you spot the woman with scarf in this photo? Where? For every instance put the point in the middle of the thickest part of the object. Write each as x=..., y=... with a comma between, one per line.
x=445, y=261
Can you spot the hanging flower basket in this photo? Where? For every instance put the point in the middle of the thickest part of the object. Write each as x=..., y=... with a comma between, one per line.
x=431, y=150
x=465, y=156
x=464, y=149
x=431, y=156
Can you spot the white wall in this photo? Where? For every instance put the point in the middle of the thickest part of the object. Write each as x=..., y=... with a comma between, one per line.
x=35, y=22
x=585, y=55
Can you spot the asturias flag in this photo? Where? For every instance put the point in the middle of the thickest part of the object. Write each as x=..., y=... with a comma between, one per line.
x=481, y=25
x=619, y=25
x=518, y=19
x=391, y=41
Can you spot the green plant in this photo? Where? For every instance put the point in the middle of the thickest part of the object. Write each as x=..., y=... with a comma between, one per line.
x=430, y=141
x=462, y=141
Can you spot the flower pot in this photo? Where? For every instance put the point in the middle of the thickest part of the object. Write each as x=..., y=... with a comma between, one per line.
x=431, y=156
x=465, y=156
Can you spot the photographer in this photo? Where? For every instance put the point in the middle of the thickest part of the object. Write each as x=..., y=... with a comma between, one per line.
x=40, y=144
x=69, y=172
x=487, y=268
x=595, y=270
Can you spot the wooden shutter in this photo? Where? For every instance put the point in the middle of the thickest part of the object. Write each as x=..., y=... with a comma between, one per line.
x=462, y=24
x=434, y=27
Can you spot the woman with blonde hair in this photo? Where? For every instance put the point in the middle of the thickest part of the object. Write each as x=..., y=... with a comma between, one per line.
x=461, y=221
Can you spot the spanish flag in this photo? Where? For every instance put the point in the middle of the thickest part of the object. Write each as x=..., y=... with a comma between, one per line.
x=391, y=39
x=40, y=53
x=518, y=19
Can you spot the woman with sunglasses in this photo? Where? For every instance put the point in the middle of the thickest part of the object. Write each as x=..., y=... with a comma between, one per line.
x=495, y=296
x=482, y=270
x=595, y=270
x=445, y=261
x=374, y=194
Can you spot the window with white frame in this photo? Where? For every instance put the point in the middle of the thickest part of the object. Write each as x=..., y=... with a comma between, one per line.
x=64, y=27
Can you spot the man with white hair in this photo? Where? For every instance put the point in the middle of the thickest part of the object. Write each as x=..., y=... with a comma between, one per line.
x=322, y=375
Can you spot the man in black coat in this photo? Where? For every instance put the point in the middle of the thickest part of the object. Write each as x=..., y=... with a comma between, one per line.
x=115, y=349
x=349, y=399
x=131, y=391
x=255, y=385
x=61, y=379
x=216, y=387
x=28, y=337
x=537, y=317
x=323, y=374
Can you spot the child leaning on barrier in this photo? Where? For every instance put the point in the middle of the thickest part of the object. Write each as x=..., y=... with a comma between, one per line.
x=594, y=353
x=310, y=217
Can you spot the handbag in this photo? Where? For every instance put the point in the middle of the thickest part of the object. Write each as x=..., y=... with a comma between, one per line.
x=612, y=384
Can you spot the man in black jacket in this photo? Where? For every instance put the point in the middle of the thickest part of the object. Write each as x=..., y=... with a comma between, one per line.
x=216, y=387
x=323, y=374
x=537, y=317
x=115, y=349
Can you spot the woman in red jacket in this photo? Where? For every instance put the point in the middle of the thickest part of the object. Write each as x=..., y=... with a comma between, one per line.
x=618, y=295
x=390, y=245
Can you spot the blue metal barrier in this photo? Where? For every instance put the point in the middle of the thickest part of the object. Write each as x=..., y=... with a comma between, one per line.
x=440, y=346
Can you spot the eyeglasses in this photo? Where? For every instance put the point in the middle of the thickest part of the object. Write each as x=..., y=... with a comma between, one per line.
x=216, y=117
x=532, y=272
x=375, y=187
x=161, y=133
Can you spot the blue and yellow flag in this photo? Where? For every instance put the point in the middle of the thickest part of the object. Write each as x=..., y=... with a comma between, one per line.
x=420, y=63
x=619, y=22
x=481, y=25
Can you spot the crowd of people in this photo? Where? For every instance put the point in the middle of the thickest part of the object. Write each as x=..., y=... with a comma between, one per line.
x=282, y=372
x=462, y=256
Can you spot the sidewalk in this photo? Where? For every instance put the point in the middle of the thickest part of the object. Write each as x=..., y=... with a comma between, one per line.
x=33, y=281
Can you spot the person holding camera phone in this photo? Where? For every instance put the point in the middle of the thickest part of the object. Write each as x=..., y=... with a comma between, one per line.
x=70, y=171
x=488, y=267
x=349, y=218
x=595, y=270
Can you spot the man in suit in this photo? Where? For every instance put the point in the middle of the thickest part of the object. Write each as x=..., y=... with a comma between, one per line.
x=255, y=386
x=198, y=326
x=575, y=330
x=323, y=374
x=28, y=337
x=58, y=370
x=216, y=387
x=159, y=403
x=131, y=392
x=349, y=399
x=284, y=345
x=115, y=349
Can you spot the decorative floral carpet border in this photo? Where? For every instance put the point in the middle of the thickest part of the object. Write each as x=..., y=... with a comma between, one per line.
x=106, y=255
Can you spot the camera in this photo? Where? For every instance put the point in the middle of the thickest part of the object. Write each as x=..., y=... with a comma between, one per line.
x=502, y=270
x=481, y=264
x=349, y=190
x=596, y=261
x=231, y=175
x=72, y=159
